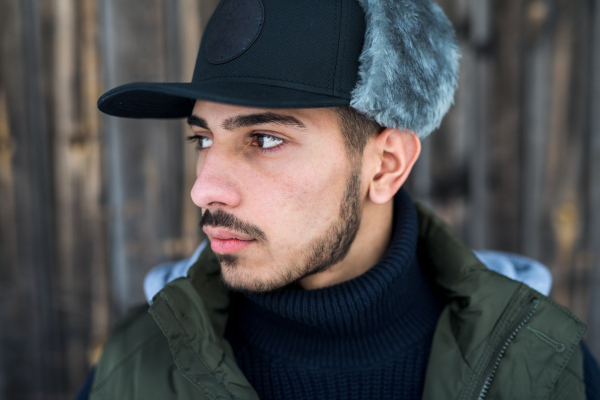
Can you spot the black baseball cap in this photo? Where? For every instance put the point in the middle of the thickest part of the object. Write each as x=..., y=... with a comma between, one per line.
x=260, y=53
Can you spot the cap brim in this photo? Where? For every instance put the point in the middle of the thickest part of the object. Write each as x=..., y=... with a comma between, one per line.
x=176, y=100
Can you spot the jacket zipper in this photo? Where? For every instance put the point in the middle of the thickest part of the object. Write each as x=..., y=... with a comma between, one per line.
x=501, y=350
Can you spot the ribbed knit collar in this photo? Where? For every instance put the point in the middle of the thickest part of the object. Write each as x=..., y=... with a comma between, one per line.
x=374, y=315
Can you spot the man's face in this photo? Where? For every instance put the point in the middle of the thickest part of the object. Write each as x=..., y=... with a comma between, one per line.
x=280, y=196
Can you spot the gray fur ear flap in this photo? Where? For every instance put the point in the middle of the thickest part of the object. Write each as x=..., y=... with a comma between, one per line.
x=409, y=65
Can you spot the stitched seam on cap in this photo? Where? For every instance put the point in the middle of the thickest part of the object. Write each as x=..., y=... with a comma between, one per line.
x=274, y=81
x=341, y=47
x=333, y=68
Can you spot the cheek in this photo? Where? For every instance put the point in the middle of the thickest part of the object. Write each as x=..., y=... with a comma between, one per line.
x=295, y=207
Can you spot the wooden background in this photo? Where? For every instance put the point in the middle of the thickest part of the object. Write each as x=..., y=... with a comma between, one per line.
x=88, y=204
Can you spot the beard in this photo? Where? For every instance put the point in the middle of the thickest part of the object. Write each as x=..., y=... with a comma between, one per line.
x=318, y=256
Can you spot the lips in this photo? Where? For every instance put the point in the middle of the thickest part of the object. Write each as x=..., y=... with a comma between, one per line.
x=223, y=241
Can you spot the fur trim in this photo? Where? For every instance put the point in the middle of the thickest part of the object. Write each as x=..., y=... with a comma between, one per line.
x=409, y=65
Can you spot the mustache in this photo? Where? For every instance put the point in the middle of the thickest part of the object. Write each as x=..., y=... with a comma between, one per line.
x=221, y=219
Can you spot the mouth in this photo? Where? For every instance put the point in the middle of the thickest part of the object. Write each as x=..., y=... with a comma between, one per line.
x=223, y=241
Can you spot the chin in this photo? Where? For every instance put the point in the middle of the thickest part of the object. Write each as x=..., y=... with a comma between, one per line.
x=240, y=278
x=248, y=283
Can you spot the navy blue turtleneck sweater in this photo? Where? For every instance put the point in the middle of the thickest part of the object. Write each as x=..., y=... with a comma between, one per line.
x=367, y=338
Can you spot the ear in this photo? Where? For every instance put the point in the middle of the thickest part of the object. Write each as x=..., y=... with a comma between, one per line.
x=393, y=154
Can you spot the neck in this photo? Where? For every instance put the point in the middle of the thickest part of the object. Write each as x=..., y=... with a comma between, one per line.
x=372, y=240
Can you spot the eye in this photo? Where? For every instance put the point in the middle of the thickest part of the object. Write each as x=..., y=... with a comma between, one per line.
x=266, y=141
x=202, y=142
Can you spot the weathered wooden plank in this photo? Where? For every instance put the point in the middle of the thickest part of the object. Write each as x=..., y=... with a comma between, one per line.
x=559, y=194
x=481, y=104
x=81, y=245
x=594, y=183
x=134, y=49
x=65, y=129
x=579, y=123
x=37, y=240
x=8, y=237
x=537, y=88
x=33, y=358
x=505, y=133
x=13, y=283
x=94, y=222
x=505, y=136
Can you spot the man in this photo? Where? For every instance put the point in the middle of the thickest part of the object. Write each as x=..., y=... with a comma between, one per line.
x=322, y=279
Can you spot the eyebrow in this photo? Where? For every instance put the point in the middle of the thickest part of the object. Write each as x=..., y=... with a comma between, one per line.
x=242, y=121
x=197, y=121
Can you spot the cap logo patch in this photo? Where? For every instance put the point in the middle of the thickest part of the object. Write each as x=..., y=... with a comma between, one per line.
x=233, y=28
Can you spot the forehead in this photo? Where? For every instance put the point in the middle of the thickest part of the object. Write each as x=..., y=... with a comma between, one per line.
x=229, y=116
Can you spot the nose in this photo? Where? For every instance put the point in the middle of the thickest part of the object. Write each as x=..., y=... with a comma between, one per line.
x=215, y=181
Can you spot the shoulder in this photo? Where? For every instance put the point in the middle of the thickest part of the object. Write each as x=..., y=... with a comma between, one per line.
x=137, y=363
x=501, y=336
x=130, y=335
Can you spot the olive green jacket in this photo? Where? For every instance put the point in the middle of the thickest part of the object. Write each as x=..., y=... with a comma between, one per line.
x=495, y=339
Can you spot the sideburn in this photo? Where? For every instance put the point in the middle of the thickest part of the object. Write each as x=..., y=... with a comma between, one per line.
x=336, y=243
